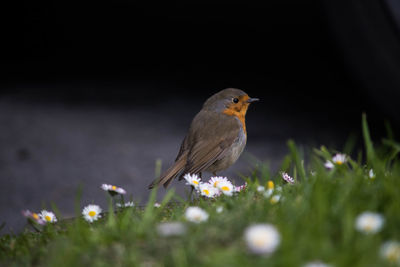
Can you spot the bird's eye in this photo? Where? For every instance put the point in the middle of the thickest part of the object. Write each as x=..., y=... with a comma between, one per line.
x=235, y=100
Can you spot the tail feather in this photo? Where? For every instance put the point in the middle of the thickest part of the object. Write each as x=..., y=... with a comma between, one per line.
x=170, y=173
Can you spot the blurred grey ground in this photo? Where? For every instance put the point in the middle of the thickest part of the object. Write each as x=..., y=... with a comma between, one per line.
x=48, y=149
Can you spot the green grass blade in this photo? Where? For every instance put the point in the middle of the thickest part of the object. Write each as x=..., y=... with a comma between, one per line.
x=369, y=147
x=296, y=158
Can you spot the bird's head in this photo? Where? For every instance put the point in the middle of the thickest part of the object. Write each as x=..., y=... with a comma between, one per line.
x=230, y=101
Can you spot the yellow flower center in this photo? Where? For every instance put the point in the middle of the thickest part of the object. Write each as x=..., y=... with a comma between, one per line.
x=215, y=183
x=206, y=192
x=35, y=216
x=92, y=213
x=195, y=182
x=393, y=255
x=339, y=162
x=114, y=187
x=370, y=224
x=225, y=188
x=259, y=242
x=48, y=218
x=270, y=185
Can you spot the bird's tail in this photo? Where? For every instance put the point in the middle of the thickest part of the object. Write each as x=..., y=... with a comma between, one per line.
x=170, y=174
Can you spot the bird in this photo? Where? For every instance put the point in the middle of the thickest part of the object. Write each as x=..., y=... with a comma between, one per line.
x=216, y=137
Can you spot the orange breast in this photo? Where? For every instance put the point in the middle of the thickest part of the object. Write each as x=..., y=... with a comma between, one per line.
x=240, y=114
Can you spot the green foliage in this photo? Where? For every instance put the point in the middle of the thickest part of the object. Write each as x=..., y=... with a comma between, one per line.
x=315, y=217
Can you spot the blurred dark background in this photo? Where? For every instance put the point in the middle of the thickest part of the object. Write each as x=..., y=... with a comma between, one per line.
x=95, y=92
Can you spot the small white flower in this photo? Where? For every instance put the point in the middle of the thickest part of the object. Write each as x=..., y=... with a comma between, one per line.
x=316, y=264
x=371, y=174
x=339, y=159
x=262, y=238
x=287, y=178
x=275, y=199
x=369, y=222
x=214, y=181
x=126, y=204
x=390, y=251
x=207, y=190
x=329, y=165
x=157, y=205
x=196, y=214
x=270, y=190
x=113, y=190
x=171, y=229
x=268, y=193
x=260, y=188
x=91, y=213
x=219, y=209
x=192, y=179
x=48, y=216
x=33, y=217
x=226, y=187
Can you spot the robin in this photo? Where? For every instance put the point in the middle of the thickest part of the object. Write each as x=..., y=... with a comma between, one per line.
x=216, y=137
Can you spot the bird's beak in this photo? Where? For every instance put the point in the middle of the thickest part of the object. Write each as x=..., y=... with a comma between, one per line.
x=250, y=100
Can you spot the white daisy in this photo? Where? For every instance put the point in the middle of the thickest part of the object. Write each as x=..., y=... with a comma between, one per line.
x=196, y=214
x=369, y=222
x=270, y=190
x=113, y=190
x=268, y=193
x=91, y=213
x=275, y=199
x=260, y=188
x=33, y=217
x=390, y=251
x=262, y=238
x=339, y=159
x=287, y=178
x=214, y=181
x=192, y=179
x=316, y=264
x=219, y=209
x=126, y=204
x=171, y=229
x=207, y=190
x=157, y=205
x=226, y=187
x=329, y=165
x=371, y=174
x=48, y=216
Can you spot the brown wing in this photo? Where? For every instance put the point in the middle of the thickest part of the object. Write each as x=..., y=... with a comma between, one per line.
x=210, y=139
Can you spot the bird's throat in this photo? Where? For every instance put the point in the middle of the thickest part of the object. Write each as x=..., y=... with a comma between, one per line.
x=240, y=114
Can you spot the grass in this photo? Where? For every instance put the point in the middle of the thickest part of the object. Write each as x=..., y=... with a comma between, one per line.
x=315, y=218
